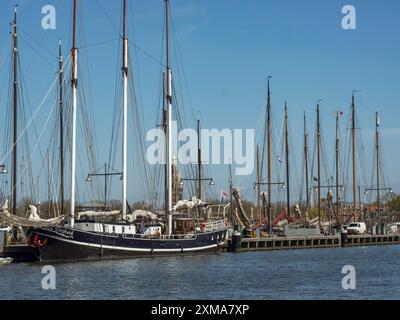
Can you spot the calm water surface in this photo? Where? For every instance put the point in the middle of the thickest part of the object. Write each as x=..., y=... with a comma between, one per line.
x=294, y=274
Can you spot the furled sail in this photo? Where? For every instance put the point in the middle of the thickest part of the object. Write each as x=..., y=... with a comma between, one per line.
x=142, y=214
x=33, y=219
x=93, y=214
x=188, y=204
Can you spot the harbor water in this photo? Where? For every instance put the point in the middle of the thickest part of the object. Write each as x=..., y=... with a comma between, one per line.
x=288, y=274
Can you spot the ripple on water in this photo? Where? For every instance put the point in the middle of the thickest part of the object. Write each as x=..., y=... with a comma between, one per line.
x=288, y=274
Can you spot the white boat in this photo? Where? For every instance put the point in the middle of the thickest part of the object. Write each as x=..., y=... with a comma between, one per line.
x=4, y=261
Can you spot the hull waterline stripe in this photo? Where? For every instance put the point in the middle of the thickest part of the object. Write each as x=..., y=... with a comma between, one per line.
x=127, y=248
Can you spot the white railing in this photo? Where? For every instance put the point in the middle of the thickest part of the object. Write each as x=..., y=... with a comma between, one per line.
x=213, y=226
x=160, y=237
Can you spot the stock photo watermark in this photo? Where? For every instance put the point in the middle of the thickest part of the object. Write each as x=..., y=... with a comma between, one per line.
x=232, y=141
x=224, y=146
x=49, y=21
x=349, y=21
x=49, y=280
x=349, y=280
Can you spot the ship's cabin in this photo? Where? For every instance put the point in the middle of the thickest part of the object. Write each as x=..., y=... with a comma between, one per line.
x=108, y=228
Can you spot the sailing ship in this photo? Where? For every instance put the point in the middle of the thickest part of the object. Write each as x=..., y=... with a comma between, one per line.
x=91, y=239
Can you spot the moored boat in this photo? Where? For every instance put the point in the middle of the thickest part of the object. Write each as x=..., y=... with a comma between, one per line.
x=92, y=241
x=121, y=237
x=5, y=261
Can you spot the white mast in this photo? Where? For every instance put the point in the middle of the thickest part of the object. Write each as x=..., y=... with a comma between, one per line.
x=125, y=112
x=74, y=83
x=169, y=122
x=15, y=114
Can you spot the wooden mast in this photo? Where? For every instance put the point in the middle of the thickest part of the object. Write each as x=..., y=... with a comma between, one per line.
x=15, y=113
x=74, y=85
x=230, y=191
x=164, y=124
x=353, y=142
x=359, y=197
x=198, y=159
x=337, y=150
x=61, y=101
x=306, y=161
x=259, y=184
x=269, y=205
x=287, y=160
x=319, y=163
x=377, y=168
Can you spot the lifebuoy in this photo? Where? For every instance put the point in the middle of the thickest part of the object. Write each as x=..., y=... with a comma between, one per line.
x=33, y=241
x=36, y=242
x=42, y=243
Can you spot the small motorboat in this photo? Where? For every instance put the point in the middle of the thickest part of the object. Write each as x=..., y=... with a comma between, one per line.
x=4, y=261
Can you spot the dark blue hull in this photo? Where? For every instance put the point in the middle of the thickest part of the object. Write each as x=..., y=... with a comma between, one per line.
x=65, y=244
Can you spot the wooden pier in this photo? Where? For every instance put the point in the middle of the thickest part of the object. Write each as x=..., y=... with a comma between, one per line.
x=311, y=242
x=368, y=240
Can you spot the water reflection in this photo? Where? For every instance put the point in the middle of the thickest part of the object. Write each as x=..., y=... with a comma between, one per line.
x=294, y=274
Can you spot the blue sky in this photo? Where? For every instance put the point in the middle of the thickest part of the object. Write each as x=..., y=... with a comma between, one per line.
x=226, y=49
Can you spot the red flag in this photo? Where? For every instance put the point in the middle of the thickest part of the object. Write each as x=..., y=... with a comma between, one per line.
x=224, y=196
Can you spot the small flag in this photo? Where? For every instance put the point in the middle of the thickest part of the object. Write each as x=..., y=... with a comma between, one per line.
x=315, y=179
x=224, y=196
x=341, y=112
x=279, y=159
x=378, y=122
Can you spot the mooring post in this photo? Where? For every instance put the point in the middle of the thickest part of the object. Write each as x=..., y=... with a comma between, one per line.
x=343, y=238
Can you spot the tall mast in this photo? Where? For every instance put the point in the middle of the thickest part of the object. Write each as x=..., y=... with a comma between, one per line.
x=61, y=78
x=198, y=159
x=49, y=198
x=319, y=163
x=125, y=110
x=306, y=161
x=74, y=85
x=258, y=182
x=337, y=150
x=359, y=197
x=164, y=114
x=15, y=113
x=287, y=160
x=230, y=191
x=169, y=121
x=269, y=205
x=105, y=185
x=377, y=167
x=353, y=142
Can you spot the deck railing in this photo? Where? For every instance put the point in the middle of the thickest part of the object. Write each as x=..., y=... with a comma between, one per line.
x=213, y=225
x=160, y=236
